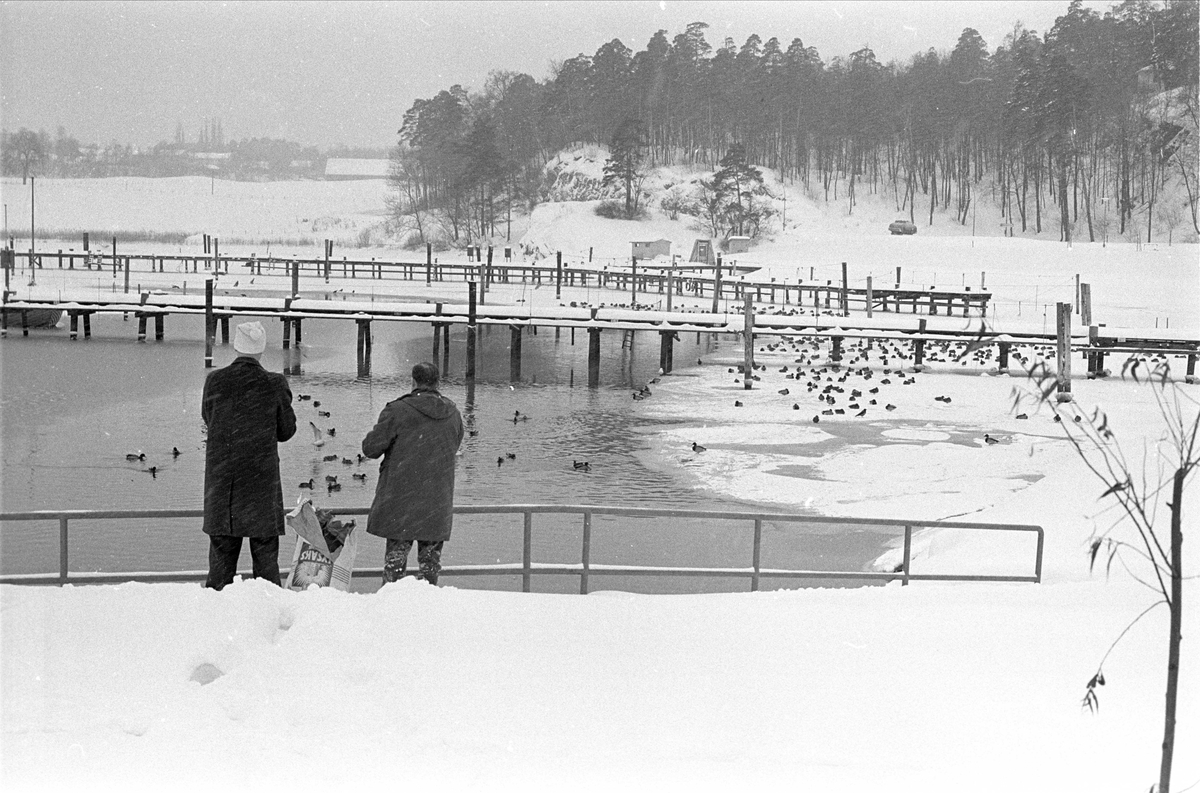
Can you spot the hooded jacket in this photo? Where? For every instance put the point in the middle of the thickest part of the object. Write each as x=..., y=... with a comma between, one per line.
x=418, y=436
x=248, y=411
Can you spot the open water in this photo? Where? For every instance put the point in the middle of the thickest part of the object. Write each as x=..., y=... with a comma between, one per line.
x=72, y=411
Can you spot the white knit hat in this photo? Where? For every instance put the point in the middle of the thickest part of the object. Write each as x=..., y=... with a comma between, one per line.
x=250, y=338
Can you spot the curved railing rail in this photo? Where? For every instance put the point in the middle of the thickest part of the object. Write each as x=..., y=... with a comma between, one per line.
x=585, y=569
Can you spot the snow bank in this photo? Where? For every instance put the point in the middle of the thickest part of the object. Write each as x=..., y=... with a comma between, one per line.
x=933, y=687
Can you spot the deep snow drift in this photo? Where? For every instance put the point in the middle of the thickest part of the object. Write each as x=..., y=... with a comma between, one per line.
x=931, y=687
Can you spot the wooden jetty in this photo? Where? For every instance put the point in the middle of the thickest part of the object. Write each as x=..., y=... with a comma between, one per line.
x=719, y=281
x=818, y=310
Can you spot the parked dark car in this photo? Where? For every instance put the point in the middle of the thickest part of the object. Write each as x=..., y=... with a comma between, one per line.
x=902, y=226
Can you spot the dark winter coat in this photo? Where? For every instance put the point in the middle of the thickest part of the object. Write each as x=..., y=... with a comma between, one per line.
x=418, y=436
x=248, y=411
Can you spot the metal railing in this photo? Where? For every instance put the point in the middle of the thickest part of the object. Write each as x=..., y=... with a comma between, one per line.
x=585, y=569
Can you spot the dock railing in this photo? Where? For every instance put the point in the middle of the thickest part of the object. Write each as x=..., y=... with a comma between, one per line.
x=586, y=568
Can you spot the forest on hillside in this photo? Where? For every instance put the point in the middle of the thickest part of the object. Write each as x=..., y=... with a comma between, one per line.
x=1080, y=128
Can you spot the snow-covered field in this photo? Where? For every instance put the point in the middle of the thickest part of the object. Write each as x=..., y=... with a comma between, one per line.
x=931, y=687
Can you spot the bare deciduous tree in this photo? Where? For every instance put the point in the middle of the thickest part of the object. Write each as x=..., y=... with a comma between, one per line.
x=1137, y=494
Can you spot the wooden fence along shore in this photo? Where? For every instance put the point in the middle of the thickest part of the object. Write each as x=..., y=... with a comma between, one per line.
x=830, y=306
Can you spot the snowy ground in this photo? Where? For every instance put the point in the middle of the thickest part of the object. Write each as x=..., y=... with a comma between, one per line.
x=931, y=687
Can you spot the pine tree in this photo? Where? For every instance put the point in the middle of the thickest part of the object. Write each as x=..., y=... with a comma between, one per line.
x=626, y=161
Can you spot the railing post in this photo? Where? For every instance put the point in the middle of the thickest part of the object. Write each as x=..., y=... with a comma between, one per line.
x=757, y=553
x=1037, y=571
x=907, y=554
x=527, y=571
x=63, y=559
x=587, y=552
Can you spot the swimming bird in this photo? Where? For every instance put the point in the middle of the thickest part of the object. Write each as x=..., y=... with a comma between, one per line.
x=737, y=403
x=360, y=477
x=1022, y=415
x=323, y=413
x=816, y=419
x=988, y=439
x=316, y=404
x=331, y=431
x=581, y=465
x=153, y=471
x=697, y=448
x=510, y=455
x=347, y=461
x=333, y=487
x=329, y=458
x=175, y=451
x=362, y=458
x=860, y=413
x=499, y=461
x=303, y=397
x=889, y=406
x=136, y=457
x=330, y=478
x=307, y=485
x=318, y=439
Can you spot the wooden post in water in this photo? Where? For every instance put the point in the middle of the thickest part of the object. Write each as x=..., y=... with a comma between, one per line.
x=87, y=324
x=328, y=245
x=845, y=292
x=295, y=277
x=748, y=351
x=670, y=284
x=159, y=322
x=633, y=283
x=558, y=278
x=716, y=285
x=666, y=356
x=919, y=348
x=471, y=331
x=126, y=275
x=225, y=330
x=870, y=297
x=141, y=336
x=208, y=323
x=1064, y=352
x=437, y=332
x=74, y=317
x=1004, y=350
x=428, y=263
x=1085, y=304
x=514, y=353
x=593, y=356
x=835, y=353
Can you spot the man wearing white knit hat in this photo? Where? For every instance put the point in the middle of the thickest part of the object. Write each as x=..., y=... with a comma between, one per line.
x=248, y=411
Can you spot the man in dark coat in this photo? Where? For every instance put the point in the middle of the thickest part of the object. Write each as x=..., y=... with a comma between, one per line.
x=248, y=410
x=418, y=436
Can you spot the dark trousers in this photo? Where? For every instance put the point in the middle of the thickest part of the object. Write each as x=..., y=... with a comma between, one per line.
x=395, y=560
x=223, y=553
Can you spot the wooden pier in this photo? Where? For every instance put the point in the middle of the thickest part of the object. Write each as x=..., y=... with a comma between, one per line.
x=794, y=310
x=638, y=279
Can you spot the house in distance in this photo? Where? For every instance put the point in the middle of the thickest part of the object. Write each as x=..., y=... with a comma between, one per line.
x=648, y=250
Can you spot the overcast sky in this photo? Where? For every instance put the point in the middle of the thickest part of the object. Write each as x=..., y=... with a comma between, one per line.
x=325, y=73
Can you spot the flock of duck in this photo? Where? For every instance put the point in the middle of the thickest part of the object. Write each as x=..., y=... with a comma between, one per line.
x=140, y=457
x=849, y=388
